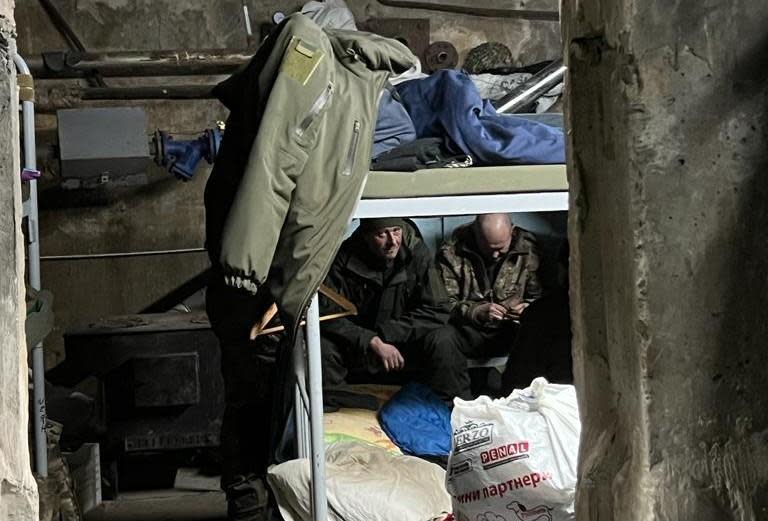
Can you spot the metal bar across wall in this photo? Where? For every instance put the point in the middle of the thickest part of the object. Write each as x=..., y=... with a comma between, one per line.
x=179, y=62
x=476, y=10
x=169, y=92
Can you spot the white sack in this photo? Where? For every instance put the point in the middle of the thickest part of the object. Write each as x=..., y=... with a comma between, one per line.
x=365, y=483
x=514, y=459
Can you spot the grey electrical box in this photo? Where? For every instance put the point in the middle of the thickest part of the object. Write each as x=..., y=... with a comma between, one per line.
x=99, y=145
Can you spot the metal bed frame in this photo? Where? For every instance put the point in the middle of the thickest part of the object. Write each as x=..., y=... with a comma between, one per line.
x=308, y=400
x=30, y=211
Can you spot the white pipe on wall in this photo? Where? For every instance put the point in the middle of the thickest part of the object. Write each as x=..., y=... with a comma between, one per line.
x=33, y=252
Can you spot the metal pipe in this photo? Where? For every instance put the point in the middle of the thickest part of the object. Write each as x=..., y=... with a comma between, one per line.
x=319, y=499
x=38, y=359
x=181, y=62
x=169, y=92
x=70, y=36
x=538, y=85
x=247, y=19
x=81, y=256
x=521, y=14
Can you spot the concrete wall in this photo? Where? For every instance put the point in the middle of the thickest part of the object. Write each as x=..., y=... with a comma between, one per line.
x=18, y=492
x=668, y=113
x=167, y=214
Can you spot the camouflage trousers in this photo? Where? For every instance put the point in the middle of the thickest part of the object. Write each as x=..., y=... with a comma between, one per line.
x=57, y=492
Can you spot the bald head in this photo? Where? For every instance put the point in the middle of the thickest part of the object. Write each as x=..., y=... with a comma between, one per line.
x=493, y=235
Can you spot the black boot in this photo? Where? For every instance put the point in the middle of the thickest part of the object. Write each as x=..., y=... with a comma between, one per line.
x=246, y=500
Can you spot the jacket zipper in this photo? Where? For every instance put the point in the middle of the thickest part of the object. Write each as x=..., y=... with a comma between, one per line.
x=352, y=152
x=319, y=104
x=313, y=289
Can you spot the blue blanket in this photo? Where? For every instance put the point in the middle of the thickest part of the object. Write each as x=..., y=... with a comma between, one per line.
x=417, y=421
x=448, y=103
x=393, y=126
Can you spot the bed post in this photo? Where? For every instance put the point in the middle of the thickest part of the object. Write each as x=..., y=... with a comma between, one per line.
x=301, y=400
x=317, y=442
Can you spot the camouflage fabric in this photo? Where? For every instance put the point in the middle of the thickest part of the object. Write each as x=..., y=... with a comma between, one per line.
x=57, y=492
x=466, y=281
x=487, y=57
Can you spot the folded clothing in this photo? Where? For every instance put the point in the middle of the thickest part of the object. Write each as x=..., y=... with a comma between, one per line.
x=418, y=421
x=428, y=152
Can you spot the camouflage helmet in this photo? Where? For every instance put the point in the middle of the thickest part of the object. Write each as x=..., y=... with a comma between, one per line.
x=486, y=57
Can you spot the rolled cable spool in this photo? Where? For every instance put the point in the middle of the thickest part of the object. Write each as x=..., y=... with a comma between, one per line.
x=441, y=55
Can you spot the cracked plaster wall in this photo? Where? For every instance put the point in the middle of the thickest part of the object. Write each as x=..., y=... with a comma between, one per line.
x=18, y=492
x=668, y=110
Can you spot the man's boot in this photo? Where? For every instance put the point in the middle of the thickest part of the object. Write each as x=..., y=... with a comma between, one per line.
x=246, y=500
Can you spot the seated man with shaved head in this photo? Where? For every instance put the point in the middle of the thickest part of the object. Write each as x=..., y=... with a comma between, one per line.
x=489, y=268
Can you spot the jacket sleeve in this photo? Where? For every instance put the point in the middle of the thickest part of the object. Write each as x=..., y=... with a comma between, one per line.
x=277, y=157
x=461, y=310
x=342, y=328
x=533, y=288
x=428, y=310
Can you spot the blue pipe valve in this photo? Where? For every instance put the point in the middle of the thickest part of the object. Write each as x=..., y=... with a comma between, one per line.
x=181, y=157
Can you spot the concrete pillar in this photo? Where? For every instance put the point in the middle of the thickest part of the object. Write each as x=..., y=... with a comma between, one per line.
x=18, y=492
x=668, y=164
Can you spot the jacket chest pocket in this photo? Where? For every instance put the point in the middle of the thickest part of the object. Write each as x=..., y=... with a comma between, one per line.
x=351, y=156
x=306, y=128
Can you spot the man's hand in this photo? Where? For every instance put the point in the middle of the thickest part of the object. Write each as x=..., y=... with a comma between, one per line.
x=388, y=354
x=489, y=312
x=515, y=311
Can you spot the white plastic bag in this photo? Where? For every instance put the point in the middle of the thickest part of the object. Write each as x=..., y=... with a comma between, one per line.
x=514, y=459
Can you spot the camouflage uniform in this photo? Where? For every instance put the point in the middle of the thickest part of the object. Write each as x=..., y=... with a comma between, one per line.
x=466, y=280
x=57, y=492
x=468, y=284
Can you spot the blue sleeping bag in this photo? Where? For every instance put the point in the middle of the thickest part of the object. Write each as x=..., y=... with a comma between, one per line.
x=393, y=125
x=417, y=421
x=448, y=103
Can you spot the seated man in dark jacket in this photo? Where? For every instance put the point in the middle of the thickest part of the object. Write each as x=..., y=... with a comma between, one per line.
x=489, y=268
x=387, y=271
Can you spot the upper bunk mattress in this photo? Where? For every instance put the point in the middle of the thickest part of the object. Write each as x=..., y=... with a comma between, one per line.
x=466, y=181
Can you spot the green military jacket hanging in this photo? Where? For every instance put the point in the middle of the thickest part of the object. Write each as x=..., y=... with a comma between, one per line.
x=294, y=157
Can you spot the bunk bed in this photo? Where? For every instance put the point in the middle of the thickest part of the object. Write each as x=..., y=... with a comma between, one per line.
x=425, y=193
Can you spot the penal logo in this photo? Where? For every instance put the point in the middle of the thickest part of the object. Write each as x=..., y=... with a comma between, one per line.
x=472, y=435
x=505, y=454
x=538, y=513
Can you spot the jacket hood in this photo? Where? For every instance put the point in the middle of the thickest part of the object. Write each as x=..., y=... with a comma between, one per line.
x=378, y=53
